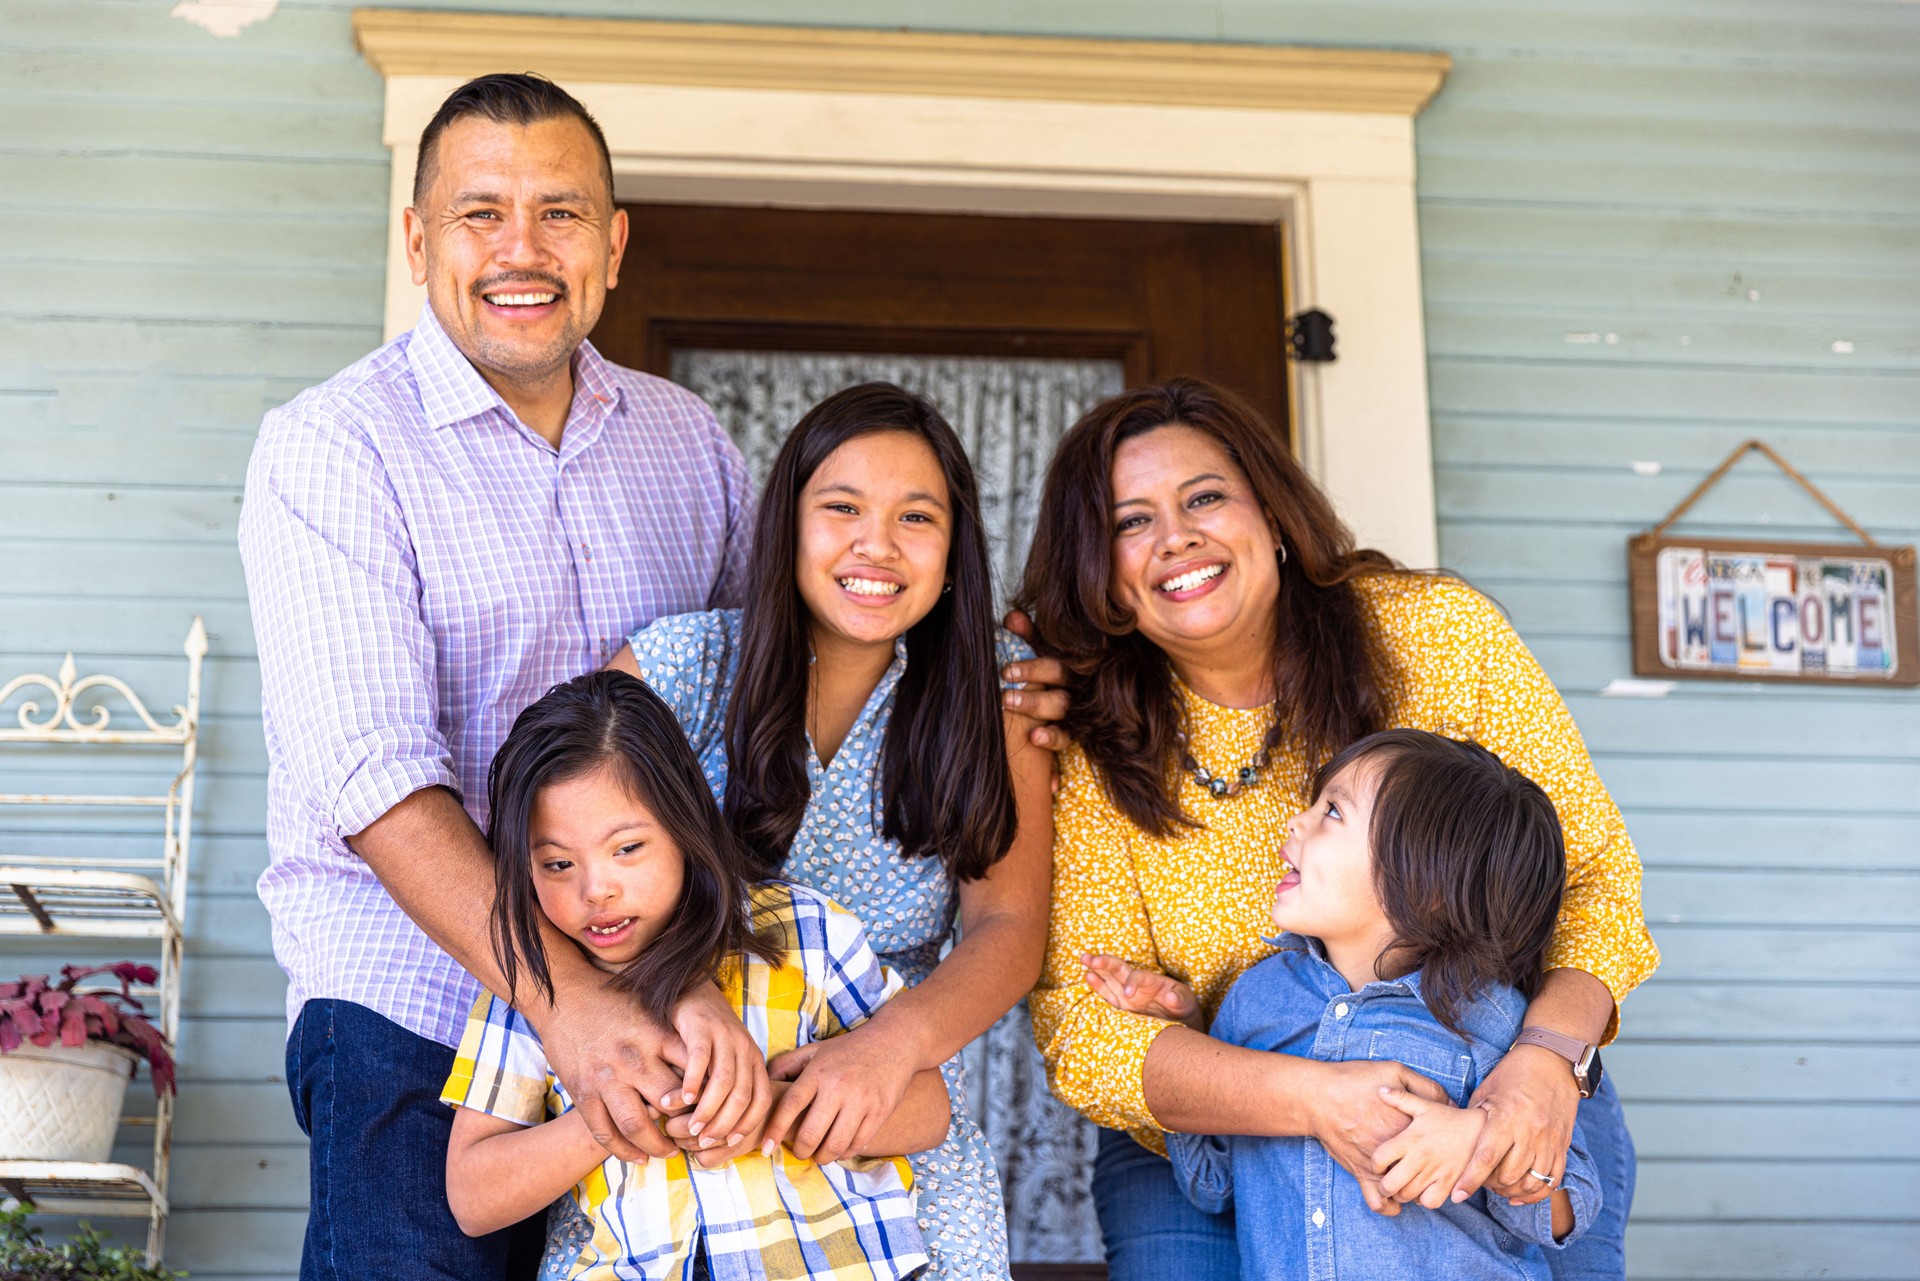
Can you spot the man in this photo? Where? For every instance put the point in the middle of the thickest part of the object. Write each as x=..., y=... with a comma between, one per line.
x=432, y=538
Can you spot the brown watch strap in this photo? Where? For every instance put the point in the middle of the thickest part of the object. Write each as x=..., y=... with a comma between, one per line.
x=1570, y=1048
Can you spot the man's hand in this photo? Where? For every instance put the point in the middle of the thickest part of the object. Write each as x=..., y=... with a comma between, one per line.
x=1351, y=1118
x=1138, y=991
x=1531, y=1102
x=615, y=1062
x=846, y=1086
x=1045, y=698
x=1423, y=1162
x=725, y=1071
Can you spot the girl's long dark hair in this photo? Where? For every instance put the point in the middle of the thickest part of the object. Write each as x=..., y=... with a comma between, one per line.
x=945, y=786
x=1330, y=675
x=612, y=720
x=1468, y=861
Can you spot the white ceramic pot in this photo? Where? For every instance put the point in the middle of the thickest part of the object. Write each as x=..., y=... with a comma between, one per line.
x=62, y=1103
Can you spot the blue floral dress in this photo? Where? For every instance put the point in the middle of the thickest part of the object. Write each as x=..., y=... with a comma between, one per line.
x=908, y=904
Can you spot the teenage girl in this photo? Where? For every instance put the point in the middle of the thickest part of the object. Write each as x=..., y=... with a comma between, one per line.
x=1420, y=892
x=606, y=838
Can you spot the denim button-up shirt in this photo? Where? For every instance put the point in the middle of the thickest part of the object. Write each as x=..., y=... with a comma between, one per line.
x=1301, y=1215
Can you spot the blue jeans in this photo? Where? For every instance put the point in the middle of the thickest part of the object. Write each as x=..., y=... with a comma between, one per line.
x=367, y=1094
x=1152, y=1232
x=1601, y=1254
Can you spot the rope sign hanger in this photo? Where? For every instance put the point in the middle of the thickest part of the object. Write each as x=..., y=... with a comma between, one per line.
x=1740, y=452
x=1763, y=609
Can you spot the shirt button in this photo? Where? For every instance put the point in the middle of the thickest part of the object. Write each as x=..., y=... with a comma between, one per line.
x=586, y=551
x=1319, y=1218
x=1340, y=1010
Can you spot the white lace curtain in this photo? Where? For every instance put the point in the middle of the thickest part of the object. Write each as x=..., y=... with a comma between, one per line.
x=1009, y=414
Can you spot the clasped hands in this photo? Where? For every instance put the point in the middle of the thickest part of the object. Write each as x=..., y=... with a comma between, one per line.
x=704, y=1087
x=1393, y=1129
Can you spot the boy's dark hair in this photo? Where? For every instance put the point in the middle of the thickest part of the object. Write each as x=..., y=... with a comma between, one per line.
x=506, y=98
x=610, y=719
x=945, y=788
x=1468, y=861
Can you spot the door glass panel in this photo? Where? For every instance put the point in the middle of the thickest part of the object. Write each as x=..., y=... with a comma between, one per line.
x=1009, y=413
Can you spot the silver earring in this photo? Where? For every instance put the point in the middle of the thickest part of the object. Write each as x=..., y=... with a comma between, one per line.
x=948, y=589
x=1283, y=553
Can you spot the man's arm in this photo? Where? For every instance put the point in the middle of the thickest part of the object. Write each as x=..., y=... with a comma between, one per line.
x=347, y=667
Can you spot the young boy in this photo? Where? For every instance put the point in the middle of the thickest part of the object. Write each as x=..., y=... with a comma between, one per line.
x=1422, y=889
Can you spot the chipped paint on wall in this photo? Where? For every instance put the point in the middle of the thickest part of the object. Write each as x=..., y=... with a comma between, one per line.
x=224, y=17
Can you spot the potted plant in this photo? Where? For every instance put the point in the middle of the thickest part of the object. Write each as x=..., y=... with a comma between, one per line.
x=66, y=1056
x=25, y=1256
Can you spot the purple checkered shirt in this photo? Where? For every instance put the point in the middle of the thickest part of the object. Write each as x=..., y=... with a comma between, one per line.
x=422, y=566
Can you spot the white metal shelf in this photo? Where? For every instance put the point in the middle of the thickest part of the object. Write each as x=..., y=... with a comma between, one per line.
x=120, y=893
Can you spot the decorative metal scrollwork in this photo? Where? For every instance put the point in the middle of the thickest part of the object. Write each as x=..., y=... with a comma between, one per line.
x=65, y=720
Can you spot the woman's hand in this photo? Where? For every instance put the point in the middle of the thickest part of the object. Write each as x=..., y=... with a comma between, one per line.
x=846, y=1086
x=1530, y=1100
x=725, y=1076
x=1138, y=991
x=1352, y=1119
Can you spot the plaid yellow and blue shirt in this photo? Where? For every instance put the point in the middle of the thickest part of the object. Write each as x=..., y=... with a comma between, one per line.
x=759, y=1218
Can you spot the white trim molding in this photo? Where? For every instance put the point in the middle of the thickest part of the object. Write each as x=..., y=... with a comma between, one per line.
x=1316, y=142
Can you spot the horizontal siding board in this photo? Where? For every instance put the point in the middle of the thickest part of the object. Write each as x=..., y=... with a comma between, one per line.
x=1787, y=954
x=350, y=131
x=1684, y=241
x=1669, y=1008
x=1748, y=398
x=1759, y=1251
x=108, y=348
x=1813, y=295
x=1714, y=1128
x=298, y=190
x=1799, y=1073
x=1774, y=839
x=1810, y=896
x=1670, y=1191
x=149, y=292
x=1888, y=506
x=1684, y=781
x=1626, y=335
x=1569, y=440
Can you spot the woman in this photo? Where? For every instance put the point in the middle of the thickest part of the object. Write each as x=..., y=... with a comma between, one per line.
x=849, y=717
x=1224, y=637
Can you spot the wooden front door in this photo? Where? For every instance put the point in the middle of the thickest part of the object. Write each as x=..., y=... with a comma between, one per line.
x=1161, y=298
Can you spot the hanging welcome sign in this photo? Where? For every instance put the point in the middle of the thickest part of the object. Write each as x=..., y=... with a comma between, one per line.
x=1750, y=609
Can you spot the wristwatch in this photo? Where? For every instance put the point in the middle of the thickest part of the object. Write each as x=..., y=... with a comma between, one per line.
x=1585, y=1058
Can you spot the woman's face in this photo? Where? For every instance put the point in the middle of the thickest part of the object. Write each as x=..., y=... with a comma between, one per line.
x=875, y=525
x=606, y=873
x=1194, y=556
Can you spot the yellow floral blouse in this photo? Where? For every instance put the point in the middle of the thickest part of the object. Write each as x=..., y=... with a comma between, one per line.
x=1195, y=905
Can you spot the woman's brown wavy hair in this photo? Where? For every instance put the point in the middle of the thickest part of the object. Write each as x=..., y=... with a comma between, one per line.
x=1329, y=674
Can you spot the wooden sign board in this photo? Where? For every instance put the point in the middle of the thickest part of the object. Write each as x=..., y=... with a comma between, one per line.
x=1751, y=610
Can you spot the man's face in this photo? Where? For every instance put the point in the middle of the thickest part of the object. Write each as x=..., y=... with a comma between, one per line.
x=517, y=242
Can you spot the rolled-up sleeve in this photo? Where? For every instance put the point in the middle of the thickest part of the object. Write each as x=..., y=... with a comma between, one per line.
x=346, y=659
x=1096, y=1055
x=1520, y=717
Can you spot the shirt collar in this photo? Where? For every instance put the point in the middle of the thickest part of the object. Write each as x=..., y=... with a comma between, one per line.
x=452, y=390
x=1317, y=950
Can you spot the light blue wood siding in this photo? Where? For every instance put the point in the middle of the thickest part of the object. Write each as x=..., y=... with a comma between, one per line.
x=1645, y=227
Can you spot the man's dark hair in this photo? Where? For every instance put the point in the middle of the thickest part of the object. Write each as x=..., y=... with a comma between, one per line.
x=1468, y=860
x=506, y=98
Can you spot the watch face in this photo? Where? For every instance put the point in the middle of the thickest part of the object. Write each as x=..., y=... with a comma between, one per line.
x=1588, y=1071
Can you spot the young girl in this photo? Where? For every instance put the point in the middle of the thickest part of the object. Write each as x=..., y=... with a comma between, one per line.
x=604, y=832
x=850, y=719
x=1420, y=894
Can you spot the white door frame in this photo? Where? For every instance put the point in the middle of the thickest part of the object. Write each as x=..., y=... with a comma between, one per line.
x=1318, y=143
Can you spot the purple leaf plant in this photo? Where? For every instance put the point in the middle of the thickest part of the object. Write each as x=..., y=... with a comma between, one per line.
x=35, y=1009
